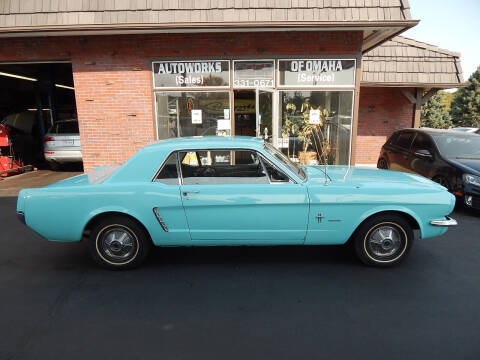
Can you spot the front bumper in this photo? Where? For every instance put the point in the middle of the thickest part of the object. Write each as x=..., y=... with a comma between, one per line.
x=21, y=217
x=448, y=221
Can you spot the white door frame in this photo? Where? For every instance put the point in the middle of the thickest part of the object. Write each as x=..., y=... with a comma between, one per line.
x=274, y=112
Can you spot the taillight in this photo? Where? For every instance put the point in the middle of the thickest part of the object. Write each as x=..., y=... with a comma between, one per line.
x=48, y=138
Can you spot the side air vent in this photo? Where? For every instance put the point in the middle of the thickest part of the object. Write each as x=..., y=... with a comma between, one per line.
x=160, y=220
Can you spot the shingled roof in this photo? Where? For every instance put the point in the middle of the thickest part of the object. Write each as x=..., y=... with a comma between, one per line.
x=406, y=62
x=377, y=18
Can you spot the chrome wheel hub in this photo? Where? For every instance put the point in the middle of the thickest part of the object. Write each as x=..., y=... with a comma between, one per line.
x=117, y=244
x=384, y=241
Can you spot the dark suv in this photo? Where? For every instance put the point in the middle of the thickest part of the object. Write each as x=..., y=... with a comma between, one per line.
x=451, y=158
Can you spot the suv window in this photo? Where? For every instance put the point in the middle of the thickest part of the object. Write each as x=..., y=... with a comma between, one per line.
x=422, y=142
x=392, y=139
x=168, y=175
x=209, y=167
x=65, y=127
x=404, y=139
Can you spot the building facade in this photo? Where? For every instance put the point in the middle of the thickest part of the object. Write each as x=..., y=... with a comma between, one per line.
x=284, y=70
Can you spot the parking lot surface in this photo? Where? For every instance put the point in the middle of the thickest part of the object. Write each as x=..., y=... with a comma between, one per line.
x=239, y=303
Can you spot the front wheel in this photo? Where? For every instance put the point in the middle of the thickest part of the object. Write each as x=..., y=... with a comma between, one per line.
x=383, y=240
x=382, y=164
x=118, y=243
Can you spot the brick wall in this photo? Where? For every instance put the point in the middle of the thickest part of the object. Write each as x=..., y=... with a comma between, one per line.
x=381, y=112
x=113, y=82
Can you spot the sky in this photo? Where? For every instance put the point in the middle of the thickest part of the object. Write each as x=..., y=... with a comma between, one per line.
x=449, y=24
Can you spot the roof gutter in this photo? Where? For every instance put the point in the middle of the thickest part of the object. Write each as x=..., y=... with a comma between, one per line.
x=109, y=29
x=415, y=85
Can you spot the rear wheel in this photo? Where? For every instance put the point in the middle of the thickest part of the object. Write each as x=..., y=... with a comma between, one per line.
x=383, y=240
x=382, y=164
x=118, y=242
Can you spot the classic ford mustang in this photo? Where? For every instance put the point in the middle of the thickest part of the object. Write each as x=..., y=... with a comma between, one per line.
x=208, y=191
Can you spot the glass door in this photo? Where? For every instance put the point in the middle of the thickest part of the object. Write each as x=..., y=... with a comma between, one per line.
x=265, y=113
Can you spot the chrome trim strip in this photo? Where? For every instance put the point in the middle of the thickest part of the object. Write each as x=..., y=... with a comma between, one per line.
x=448, y=222
x=160, y=220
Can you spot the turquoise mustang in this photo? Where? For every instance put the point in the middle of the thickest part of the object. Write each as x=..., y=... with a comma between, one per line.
x=208, y=191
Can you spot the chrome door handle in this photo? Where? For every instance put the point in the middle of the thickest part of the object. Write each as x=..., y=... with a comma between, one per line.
x=185, y=193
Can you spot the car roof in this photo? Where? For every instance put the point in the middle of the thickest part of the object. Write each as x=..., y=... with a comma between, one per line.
x=198, y=142
x=431, y=131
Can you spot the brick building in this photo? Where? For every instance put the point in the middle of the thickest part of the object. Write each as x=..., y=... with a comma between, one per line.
x=147, y=70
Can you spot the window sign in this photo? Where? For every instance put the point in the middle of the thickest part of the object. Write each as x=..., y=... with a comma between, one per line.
x=223, y=124
x=208, y=73
x=314, y=117
x=196, y=116
x=314, y=72
x=253, y=73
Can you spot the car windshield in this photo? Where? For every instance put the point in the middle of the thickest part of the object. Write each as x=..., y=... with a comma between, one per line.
x=285, y=161
x=458, y=146
x=64, y=127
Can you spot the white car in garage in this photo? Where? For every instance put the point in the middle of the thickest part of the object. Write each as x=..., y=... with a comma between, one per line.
x=62, y=143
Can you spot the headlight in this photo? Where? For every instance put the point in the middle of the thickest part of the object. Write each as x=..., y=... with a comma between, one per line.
x=471, y=179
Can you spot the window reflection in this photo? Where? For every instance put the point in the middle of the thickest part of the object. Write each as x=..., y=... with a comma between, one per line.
x=176, y=118
x=315, y=126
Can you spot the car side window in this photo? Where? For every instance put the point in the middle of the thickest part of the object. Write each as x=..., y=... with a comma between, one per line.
x=392, y=139
x=274, y=173
x=422, y=142
x=404, y=140
x=222, y=167
x=168, y=175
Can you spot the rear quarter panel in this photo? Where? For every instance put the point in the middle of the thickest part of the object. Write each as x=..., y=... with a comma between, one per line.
x=61, y=213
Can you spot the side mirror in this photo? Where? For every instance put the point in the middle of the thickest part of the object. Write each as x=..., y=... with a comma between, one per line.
x=423, y=154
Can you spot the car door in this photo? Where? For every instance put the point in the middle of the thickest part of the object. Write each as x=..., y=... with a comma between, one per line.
x=421, y=164
x=163, y=200
x=400, y=157
x=232, y=196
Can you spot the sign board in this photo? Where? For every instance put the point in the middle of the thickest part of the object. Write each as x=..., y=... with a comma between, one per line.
x=226, y=114
x=314, y=117
x=223, y=124
x=316, y=72
x=253, y=73
x=196, y=116
x=174, y=74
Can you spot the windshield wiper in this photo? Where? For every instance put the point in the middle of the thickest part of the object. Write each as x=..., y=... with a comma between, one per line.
x=467, y=158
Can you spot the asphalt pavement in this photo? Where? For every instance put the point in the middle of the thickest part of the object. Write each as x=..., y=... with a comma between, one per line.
x=239, y=303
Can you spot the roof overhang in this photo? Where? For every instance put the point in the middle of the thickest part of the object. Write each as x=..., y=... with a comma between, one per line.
x=375, y=32
x=414, y=85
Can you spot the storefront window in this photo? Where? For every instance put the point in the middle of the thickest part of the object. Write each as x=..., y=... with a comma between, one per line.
x=316, y=126
x=287, y=102
x=192, y=113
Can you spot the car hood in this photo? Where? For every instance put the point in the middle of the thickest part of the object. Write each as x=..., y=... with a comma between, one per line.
x=362, y=175
x=470, y=166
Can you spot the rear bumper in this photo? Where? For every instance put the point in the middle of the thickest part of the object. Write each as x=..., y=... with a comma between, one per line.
x=63, y=156
x=448, y=221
